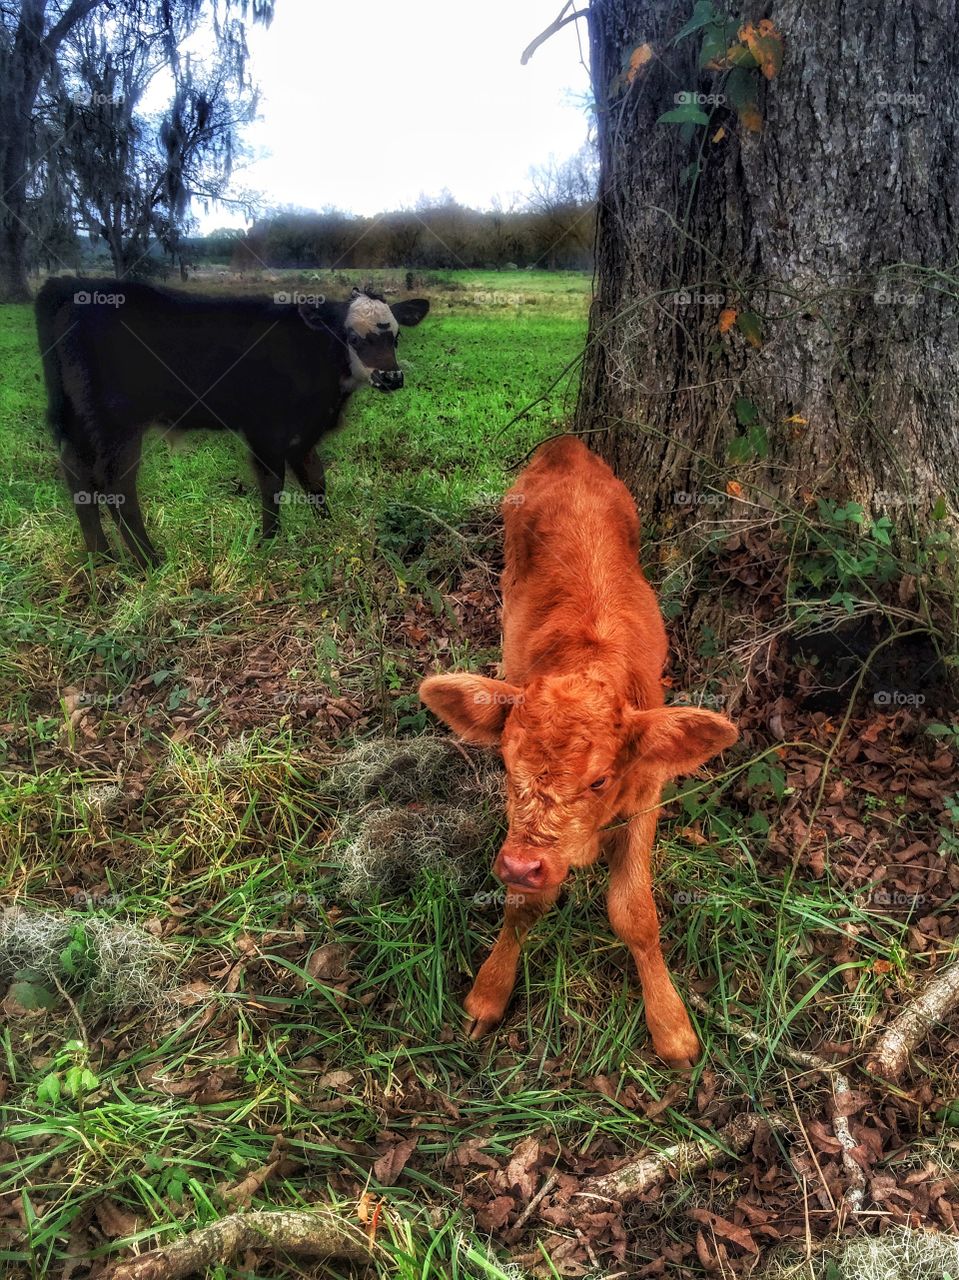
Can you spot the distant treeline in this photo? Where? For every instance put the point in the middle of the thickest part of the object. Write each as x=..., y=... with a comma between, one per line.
x=439, y=236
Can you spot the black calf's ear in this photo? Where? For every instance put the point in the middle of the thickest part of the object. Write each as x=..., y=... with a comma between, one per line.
x=317, y=315
x=411, y=311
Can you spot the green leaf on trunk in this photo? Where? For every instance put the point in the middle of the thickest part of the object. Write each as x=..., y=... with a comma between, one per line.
x=753, y=445
x=704, y=14
x=746, y=412
x=716, y=40
x=750, y=326
x=688, y=113
x=742, y=89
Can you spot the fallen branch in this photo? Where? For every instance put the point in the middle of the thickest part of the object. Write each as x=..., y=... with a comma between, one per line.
x=934, y=1002
x=314, y=1233
x=841, y=1093
x=639, y=1175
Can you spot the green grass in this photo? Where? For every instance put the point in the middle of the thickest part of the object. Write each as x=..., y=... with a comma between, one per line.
x=222, y=835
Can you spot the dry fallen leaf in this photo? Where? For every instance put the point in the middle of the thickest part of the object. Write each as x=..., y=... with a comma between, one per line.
x=495, y=1214
x=521, y=1170
x=727, y=318
x=725, y=1229
x=637, y=60
x=393, y=1161
x=751, y=119
x=115, y=1221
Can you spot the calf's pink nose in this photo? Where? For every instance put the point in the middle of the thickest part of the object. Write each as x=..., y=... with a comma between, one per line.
x=522, y=871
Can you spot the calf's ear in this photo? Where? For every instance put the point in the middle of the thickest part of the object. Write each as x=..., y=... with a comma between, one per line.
x=411, y=311
x=472, y=705
x=677, y=740
x=317, y=315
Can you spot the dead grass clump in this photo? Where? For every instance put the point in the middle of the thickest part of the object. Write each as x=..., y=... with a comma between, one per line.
x=413, y=771
x=900, y=1253
x=411, y=806
x=113, y=965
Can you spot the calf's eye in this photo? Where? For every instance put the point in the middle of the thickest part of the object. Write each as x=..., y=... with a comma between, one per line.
x=598, y=784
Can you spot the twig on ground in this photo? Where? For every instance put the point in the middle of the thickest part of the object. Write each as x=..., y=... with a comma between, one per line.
x=934, y=1002
x=646, y=1171
x=841, y=1093
x=534, y=1204
x=317, y=1234
x=474, y=560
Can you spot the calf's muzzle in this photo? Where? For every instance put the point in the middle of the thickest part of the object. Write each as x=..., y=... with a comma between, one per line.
x=516, y=868
x=387, y=379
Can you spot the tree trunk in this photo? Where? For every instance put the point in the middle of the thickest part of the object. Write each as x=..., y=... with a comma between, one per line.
x=22, y=69
x=826, y=237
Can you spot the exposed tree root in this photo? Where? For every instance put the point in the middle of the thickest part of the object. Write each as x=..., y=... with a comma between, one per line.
x=317, y=1234
x=639, y=1175
x=934, y=1002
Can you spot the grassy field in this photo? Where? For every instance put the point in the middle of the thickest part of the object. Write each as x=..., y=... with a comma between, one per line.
x=209, y=754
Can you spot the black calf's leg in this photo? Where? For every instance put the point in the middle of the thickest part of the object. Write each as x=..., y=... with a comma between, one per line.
x=270, y=470
x=124, y=506
x=83, y=494
x=308, y=469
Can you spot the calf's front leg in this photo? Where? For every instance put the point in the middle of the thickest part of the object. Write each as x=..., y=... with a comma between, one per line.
x=632, y=913
x=490, y=993
x=308, y=469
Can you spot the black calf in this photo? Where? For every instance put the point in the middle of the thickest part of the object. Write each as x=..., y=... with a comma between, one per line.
x=120, y=357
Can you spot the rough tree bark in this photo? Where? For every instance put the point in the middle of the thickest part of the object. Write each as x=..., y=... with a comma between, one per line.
x=30, y=39
x=24, y=59
x=836, y=226
x=23, y=66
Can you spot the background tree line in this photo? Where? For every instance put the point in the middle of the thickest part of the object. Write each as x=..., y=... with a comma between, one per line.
x=119, y=119
x=552, y=230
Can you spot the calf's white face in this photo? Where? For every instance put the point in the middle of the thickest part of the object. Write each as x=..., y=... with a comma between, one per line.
x=372, y=334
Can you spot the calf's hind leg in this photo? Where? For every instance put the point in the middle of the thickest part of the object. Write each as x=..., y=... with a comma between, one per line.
x=124, y=505
x=490, y=993
x=82, y=488
x=632, y=913
x=270, y=470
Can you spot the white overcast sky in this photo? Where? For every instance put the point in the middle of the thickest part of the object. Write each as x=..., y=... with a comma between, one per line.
x=367, y=104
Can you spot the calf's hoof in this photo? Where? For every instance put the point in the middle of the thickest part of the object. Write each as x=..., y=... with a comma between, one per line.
x=679, y=1049
x=681, y=1064
x=482, y=1016
x=480, y=1028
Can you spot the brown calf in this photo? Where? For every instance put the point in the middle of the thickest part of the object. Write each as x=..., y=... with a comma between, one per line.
x=580, y=721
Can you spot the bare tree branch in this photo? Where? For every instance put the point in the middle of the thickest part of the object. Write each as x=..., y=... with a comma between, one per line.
x=556, y=25
x=938, y=998
x=317, y=1234
x=651, y=1168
